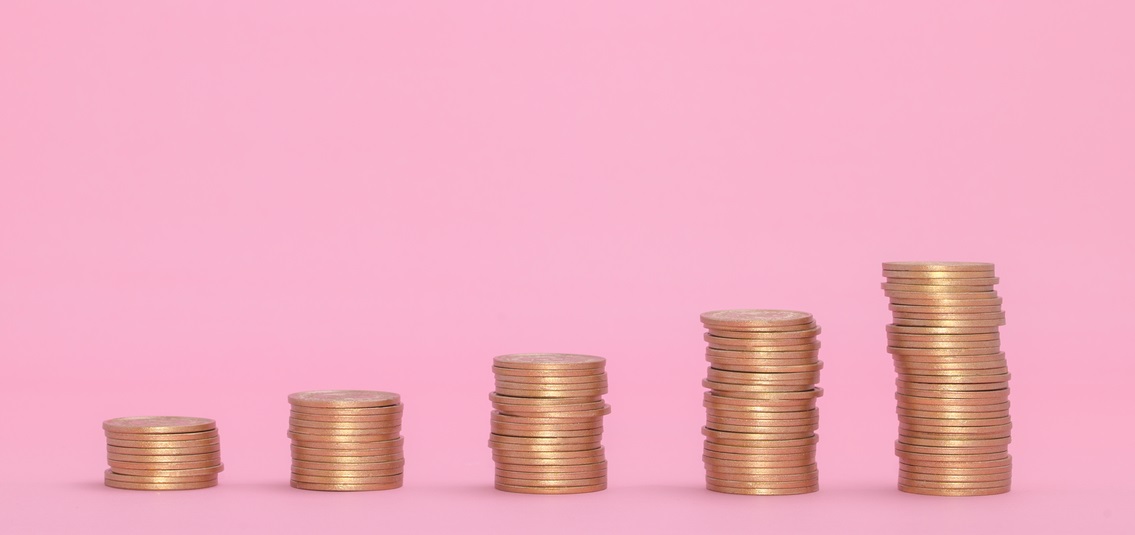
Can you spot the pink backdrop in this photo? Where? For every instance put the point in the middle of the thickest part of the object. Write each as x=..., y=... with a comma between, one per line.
x=208, y=205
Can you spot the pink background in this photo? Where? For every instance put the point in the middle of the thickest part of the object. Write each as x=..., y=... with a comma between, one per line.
x=208, y=205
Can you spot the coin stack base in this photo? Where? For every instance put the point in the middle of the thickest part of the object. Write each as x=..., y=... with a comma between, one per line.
x=761, y=415
x=346, y=440
x=953, y=379
x=162, y=453
x=546, y=431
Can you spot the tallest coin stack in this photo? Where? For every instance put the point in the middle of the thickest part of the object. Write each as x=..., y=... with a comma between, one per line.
x=953, y=380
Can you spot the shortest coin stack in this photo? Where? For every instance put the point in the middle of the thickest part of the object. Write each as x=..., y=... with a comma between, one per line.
x=547, y=429
x=162, y=453
x=761, y=415
x=346, y=440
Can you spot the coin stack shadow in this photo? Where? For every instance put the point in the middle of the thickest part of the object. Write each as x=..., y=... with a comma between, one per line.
x=761, y=415
x=953, y=380
x=547, y=429
x=346, y=440
x=162, y=453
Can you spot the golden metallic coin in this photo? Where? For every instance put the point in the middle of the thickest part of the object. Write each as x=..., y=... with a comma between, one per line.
x=594, y=394
x=955, y=492
x=539, y=374
x=949, y=316
x=511, y=432
x=163, y=444
x=762, y=491
x=953, y=478
x=163, y=451
x=118, y=484
x=710, y=445
x=313, y=453
x=974, y=409
x=550, y=361
x=785, y=344
x=953, y=415
x=944, y=360
x=970, y=379
x=937, y=266
x=756, y=395
x=122, y=466
x=944, y=282
x=379, y=419
x=126, y=478
x=723, y=463
x=593, y=425
x=956, y=485
x=743, y=477
x=723, y=376
x=355, y=412
x=898, y=338
x=807, y=333
x=903, y=445
x=519, y=455
x=808, y=415
x=949, y=289
x=928, y=431
x=549, y=381
x=935, y=389
x=711, y=456
x=543, y=441
x=716, y=401
x=912, y=329
x=801, y=430
x=550, y=490
x=926, y=309
x=951, y=443
x=348, y=459
x=737, y=471
x=504, y=382
x=759, y=422
x=760, y=356
x=158, y=425
x=510, y=466
x=551, y=482
x=948, y=323
x=131, y=458
x=394, y=469
x=345, y=426
x=183, y=472
x=549, y=462
x=1005, y=461
x=509, y=475
x=913, y=400
x=558, y=446
x=765, y=484
x=793, y=368
x=957, y=422
x=901, y=352
x=942, y=459
x=930, y=470
x=163, y=437
x=377, y=480
x=998, y=395
x=395, y=443
x=498, y=416
x=346, y=399
x=536, y=403
x=361, y=467
x=560, y=415
x=339, y=436
x=754, y=318
x=987, y=299
x=344, y=487
x=976, y=274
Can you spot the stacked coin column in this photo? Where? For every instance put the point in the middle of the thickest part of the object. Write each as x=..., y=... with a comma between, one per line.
x=346, y=440
x=162, y=453
x=547, y=429
x=761, y=415
x=953, y=380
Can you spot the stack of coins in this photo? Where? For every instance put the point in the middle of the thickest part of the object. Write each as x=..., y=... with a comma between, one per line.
x=162, y=453
x=953, y=381
x=346, y=440
x=761, y=415
x=547, y=429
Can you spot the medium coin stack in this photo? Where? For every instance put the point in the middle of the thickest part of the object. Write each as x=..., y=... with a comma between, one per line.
x=346, y=440
x=953, y=380
x=162, y=453
x=547, y=429
x=761, y=414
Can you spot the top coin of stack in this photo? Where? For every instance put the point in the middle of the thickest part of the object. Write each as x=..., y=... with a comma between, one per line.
x=547, y=429
x=162, y=453
x=761, y=414
x=346, y=440
x=953, y=380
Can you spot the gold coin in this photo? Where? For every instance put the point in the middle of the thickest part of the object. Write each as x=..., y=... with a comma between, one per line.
x=942, y=459
x=497, y=416
x=341, y=435
x=163, y=451
x=346, y=399
x=163, y=425
x=734, y=437
x=163, y=437
x=391, y=418
x=395, y=443
x=763, y=392
x=111, y=475
x=928, y=431
x=344, y=486
x=760, y=356
x=953, y=485
x=927, y=309
x=901, y=445
x=762, y=422
x=960, y=378
x=709, y=444
x=377, y=480
x=550, y=381
x=543, y=441
x=320, y=453
x=950, y=289
x=716, y=401
x=745, y=331
x=913, y=329
x=551, y=482
x=177, y=472
x=810, y=414
x=900, y=352
x=948, y=323
x=722, y=463
x=1005, y=461
x=762, y=484
x=912, y=469
x=510, y=475
x=742, y=477
x=955, y=492
x=909, y=400
x=954, y=443
x=935, y=389
x=808, y=333
x=804, y=429
x=345, y=426
x=558, y=415
x=975, y=409
x=535, y=374
x=549, y=448
x=925, y=360
x=915, y=340
x=118, y=484
x=949, y=316
x=738, y=344
x=987, y=299
x=754, y=318
x=965, y=369
x=998, y=394
x=122, y=466
x=762, y=491
x=550, y=462
x=952, y=415
x=793, y=368
x=394, y=469
x=936, y=266
x=546, y=434
x=354, y=412
x=503, y=382
x=957, y=422
x=594, y=394
x=906, y=274
x=711, y=456
x=593, y=425
x=347, y=460
x=600, y=466
x=953, y=478
x=130, y=458
x=736, y=471
x=550, y=361
x=550, y=490
x=585, y=404
x=749, y=377
x=163, y=444
x=520, y=456
x=982, y=282
x=361, y=467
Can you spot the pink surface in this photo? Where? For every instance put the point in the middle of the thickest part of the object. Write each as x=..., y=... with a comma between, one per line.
x=206, y=206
